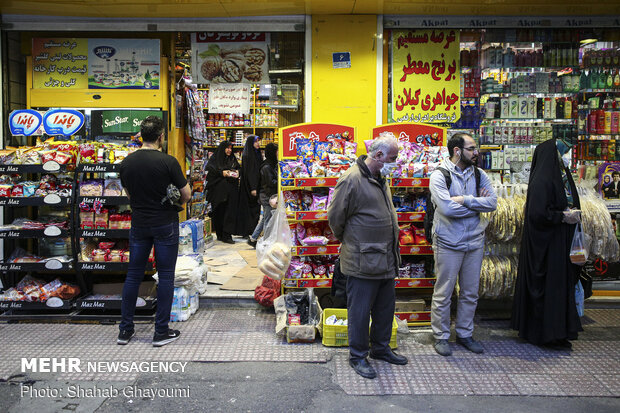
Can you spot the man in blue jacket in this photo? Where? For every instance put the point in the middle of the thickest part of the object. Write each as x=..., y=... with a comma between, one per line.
x=458, y=241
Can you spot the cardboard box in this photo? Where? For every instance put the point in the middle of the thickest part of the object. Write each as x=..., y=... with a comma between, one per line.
x=208, y=227
x=410, y=306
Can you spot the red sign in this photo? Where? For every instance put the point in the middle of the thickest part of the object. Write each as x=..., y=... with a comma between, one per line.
x=311, y=215
x=410, y=182
x=312, y=131
x=418, y=133
x=415, y=282
x=315, y=182
x=317, y=250
x=416, y=250
x=414, y=317
x=410, y=216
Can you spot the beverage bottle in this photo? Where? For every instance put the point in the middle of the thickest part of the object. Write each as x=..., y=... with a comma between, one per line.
x=615, y=122
x=610, y=81
x=568, y=108
x=600, y=121
x=593, y=83
x=608, y=116
x=617, y=78
x=602, y=80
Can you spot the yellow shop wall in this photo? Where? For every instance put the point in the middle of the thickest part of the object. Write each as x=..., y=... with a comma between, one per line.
x=344, y=96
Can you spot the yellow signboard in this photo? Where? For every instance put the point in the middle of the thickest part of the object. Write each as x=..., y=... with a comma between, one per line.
x=60, y=63
x=426, y=76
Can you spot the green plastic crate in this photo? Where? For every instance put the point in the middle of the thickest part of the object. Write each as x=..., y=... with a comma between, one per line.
x=338, y=336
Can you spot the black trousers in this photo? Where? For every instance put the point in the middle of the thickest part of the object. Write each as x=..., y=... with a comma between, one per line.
x=366, y=298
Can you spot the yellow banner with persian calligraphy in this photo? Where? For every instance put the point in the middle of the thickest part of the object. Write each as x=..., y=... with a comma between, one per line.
x=59, y=63
x=426, y=76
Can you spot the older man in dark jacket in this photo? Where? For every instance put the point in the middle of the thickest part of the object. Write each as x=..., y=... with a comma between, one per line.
x=363, y=218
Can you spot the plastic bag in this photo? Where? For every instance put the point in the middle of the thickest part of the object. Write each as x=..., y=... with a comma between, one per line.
x=579, y=298
x=578, y=252
x=273, y=250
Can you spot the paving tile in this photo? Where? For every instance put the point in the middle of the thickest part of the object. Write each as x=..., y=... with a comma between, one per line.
x=350, y=381
x=604, y=317
x=448, y=384
x=565, y=365
x=519, y=366
x=495, y=384
x=580, y=385
x=536, y=385
x=611, y=382
x=417, y=383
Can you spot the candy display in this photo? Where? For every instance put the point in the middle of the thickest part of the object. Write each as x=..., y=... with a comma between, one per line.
x=104, y=251
x=411, y=234
x=44, y=222
x=412, y=268
x=311, y=267
x=33, y=289
x=12, y=186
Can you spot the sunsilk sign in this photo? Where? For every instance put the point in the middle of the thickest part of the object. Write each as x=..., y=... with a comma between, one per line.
x=104, y=52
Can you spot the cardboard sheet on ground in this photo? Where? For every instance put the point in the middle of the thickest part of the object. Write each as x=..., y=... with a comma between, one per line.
x=247, y=279
x=214, y=262
x=218, y=278
x=249, y=257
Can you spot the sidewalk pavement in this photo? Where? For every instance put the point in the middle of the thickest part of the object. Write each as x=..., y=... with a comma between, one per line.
x=306, y=377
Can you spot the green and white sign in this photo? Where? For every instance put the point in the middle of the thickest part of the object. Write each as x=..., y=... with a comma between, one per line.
x=125, y=121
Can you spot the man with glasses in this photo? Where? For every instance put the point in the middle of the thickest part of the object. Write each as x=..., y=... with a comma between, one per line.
x=458, y=240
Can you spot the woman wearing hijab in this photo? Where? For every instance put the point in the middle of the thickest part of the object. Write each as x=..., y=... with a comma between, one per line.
x=248, y=206
x=222, y=184
x=544, y=309
x=268, y=188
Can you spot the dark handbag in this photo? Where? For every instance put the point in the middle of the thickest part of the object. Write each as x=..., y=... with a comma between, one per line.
x=339, y=287
x=586, y=282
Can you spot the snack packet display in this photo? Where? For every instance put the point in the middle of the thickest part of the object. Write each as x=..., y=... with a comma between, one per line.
x=92, y=187
x=305, y=150
x=406, y=235
x=291, y=201
x=337, y=146
x=286, y=173
x=319, y=203
x=321, y=150
x=350, y=149
x=299, y=169
x=319, y=169
x=306, y=200
x=112, y=187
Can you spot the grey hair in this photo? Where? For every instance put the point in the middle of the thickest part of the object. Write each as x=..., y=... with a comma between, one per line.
x=382, y=143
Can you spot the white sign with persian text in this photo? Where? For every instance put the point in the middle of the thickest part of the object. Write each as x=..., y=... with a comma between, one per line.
x=230, y=98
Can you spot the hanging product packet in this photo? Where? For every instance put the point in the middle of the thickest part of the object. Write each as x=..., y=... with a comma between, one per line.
x=578, y=250
x=273, y=250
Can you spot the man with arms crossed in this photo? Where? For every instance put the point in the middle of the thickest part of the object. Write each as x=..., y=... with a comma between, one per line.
x=458, y=241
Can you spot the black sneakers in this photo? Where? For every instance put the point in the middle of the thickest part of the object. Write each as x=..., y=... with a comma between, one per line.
x=124, y=336
x=163, y=339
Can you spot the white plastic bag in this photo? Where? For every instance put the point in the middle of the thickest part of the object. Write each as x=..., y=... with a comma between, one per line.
x=578, y=251
x=273, y=250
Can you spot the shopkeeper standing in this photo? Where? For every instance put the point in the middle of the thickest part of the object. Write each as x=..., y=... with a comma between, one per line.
x=248, y=207
x=146, y=175
x=222, y=186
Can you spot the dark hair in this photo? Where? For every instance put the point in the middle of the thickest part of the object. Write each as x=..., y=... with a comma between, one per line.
x=271, y=154
x=615, y=173
x=151, y=128
x=456, y=141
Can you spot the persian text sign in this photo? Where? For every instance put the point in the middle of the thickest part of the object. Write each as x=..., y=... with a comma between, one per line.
x=229, y=98
x=59, y=63
x=425, y=76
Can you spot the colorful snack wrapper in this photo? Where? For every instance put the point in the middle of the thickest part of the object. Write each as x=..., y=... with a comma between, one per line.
x=314, y=240
x=321, y=149
x=319, y=203
x=305, y=149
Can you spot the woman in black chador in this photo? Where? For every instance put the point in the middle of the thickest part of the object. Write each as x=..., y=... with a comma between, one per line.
x=222, y=186
x=544, y=310
x=248, y=207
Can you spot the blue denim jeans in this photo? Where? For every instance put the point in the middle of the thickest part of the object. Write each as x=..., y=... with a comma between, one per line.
x=165, y=238
x=267, y=212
